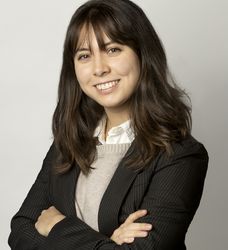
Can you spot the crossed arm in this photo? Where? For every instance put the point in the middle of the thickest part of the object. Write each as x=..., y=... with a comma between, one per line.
x=126, y=233
x=170, y=213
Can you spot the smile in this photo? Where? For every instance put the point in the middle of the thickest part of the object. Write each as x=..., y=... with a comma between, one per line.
x=107, y=85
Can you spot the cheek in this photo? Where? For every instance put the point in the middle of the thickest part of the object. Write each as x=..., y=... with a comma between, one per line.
x=130, y=69
x=82, y=75
x=121, y=67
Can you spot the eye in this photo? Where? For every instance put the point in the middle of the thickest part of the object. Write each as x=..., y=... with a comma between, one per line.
x=113, y=50
x=83, y=57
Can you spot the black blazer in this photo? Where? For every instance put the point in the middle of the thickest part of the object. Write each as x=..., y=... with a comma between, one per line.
x=170, y=188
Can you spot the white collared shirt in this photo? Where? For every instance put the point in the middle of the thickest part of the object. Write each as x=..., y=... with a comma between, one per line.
x=122, y=133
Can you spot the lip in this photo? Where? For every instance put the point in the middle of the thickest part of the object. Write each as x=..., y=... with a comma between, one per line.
x=108, y=90
x=106, y=82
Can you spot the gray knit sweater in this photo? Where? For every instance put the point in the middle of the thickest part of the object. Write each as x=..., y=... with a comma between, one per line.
x=90, y=189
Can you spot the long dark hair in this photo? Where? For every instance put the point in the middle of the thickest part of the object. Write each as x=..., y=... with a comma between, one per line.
x=158, y=110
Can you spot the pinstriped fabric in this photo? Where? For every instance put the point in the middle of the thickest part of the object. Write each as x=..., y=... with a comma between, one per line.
x=37, y=199
x=170, y=188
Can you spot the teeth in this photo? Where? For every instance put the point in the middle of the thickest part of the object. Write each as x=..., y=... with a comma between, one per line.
x=107, y=85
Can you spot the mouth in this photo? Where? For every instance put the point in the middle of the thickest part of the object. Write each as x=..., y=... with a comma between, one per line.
x=107, y=85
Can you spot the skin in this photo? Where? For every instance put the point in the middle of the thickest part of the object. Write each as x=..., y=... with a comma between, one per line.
x=47, y=219
x=125, y=233
x=116, y=61
x=128, y=231
x=93, y=66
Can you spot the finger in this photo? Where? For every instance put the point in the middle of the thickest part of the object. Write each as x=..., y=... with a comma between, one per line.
x=132, y=234
x=43, y=211
x=134, y=216
x=52, y=208
x=139, y=227
x=128, y=240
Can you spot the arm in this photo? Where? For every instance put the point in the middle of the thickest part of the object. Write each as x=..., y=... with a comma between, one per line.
x=24, y=227
x=125, y=233
x=171, y=200
x=23, y=233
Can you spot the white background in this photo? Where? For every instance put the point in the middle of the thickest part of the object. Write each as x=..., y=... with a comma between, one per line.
x=195, y=37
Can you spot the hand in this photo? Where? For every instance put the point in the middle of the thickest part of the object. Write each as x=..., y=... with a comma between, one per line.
x=48, y=218
x=127, y=231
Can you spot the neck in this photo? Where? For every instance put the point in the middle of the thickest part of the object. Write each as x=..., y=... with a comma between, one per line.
x=114, y=118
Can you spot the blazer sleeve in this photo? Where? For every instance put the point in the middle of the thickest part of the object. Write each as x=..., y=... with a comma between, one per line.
x=172, y=198
x=23, y=233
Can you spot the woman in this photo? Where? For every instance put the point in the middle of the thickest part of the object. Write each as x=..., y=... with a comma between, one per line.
x=123, y=171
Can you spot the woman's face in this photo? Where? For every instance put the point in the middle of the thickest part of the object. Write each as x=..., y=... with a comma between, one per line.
x=108, y=76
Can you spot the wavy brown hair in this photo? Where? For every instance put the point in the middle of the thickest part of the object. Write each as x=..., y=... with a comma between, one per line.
x=159, y=112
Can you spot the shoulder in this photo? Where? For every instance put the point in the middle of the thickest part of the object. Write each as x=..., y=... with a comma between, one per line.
x=188, y=152
x=188, y=145
x=52, y=152
x=50, y=158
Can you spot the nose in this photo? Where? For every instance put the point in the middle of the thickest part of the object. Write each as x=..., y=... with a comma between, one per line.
x=101, y=66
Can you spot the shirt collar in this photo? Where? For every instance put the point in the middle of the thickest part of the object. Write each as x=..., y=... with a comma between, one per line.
x=124, y=127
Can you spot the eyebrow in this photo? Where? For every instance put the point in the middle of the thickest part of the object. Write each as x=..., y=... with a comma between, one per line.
x=87, y=49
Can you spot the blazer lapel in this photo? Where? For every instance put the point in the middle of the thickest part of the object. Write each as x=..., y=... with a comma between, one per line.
x=113, y=198
x=65, y=191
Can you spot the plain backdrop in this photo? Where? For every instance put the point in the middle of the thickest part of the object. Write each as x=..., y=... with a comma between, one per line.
x=195, y=36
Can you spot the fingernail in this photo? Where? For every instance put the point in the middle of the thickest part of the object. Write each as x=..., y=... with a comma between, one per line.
x=144, y=234
x=149, y=226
